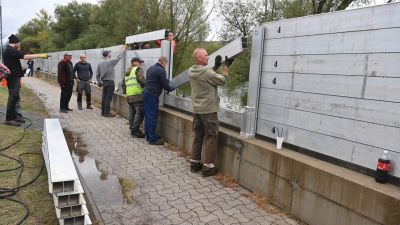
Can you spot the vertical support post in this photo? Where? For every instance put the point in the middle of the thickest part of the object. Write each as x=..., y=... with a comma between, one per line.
x=249, y=117
x=166, y=50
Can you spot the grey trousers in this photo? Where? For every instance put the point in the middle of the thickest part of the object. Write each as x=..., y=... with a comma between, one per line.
x=136, y=116
x=84, y=86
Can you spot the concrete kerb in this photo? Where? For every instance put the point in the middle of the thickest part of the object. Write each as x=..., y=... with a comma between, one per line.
x=315, y=191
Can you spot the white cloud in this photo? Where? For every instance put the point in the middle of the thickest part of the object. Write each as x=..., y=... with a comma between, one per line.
x=18, y=12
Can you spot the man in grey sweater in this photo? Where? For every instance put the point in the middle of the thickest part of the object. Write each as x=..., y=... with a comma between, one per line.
x=84, y=73
x=105, y=76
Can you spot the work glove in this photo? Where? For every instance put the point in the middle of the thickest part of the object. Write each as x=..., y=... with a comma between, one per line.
x=218, y=62
x=43, y=56
x=228, y=61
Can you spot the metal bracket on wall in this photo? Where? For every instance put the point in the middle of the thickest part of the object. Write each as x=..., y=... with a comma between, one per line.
x=257, y=50
x=167, y=51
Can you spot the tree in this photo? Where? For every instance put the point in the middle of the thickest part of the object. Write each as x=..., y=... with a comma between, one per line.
x=71, y=21
x=239, y=17
x=36, y=33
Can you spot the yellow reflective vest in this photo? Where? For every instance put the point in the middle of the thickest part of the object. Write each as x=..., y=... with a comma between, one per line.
x=132, y=85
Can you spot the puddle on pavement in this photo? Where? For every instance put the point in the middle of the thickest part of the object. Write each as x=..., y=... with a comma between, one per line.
x=105, y=189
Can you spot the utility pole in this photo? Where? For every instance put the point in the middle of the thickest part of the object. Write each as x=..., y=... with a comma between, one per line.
x=1, y=33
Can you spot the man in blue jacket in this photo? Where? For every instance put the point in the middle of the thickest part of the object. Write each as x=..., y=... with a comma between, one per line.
x=156, y=81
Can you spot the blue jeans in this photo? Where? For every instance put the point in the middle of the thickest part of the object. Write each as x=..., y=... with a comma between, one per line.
x=150, y=106
x=30, y=72
x=108, y=92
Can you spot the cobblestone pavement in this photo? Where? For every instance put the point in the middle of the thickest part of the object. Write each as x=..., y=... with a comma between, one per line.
x=165, y=192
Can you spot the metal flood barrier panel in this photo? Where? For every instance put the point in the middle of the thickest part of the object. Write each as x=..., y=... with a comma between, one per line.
x=331, y=83
x=150, y=57
x=64, y=183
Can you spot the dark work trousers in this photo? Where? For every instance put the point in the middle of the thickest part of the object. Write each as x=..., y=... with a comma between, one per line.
x=66, y=93
x=13, y=98
x=150, y=106
x=18, y=105
x=136, y=116
x=108, y=91
x=205, y=127
x=84, y=86
x=30, y=72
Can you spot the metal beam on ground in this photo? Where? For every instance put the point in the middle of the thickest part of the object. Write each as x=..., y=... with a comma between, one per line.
x=60, y=167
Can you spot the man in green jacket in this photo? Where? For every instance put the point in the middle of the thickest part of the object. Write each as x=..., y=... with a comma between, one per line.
x=204, y=83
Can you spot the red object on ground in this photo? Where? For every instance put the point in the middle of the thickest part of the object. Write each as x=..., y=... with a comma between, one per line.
x=4, y=83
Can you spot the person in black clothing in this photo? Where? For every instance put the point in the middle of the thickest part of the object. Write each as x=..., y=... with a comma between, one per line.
x=30, y=67
x=84, y=73
x=156, y=81
x=65, y=73
x=11, y=57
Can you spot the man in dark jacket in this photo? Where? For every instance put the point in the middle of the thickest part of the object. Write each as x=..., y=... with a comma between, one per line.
x=84, y=75
x=65, y=73
x=11, y=57
x=156, y=81
x=30, y=67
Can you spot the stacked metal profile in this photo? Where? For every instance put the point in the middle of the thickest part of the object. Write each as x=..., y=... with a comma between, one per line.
x=63, y=179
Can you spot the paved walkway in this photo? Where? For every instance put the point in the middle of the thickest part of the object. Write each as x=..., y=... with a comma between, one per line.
x=165, y=192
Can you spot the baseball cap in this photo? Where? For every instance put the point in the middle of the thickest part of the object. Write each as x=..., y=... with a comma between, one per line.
x=137, y=60
x=67, y=53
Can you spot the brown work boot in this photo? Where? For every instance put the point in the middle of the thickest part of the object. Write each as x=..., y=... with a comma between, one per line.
x=195, y=167
x=12, y=123
x=109, y=115
x=207, y=171
x=159, y=141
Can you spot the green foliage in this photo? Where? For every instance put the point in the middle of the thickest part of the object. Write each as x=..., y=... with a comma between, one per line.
x=72, y=20
x=35, y=34
x=239, y=17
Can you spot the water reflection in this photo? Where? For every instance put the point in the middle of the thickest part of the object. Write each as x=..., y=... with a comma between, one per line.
x=96, y=179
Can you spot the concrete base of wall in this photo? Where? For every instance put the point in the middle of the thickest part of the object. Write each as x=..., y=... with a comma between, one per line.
x=317, y=192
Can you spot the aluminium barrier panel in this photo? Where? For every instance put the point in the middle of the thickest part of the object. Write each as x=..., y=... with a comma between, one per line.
x=330, y=83
x=59, y=164
x=64, y=183
x=149, y=36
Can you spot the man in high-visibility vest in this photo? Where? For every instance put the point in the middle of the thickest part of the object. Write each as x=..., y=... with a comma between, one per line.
x=134, y=83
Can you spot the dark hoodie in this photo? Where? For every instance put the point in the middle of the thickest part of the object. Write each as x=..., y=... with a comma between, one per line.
x=204, y=83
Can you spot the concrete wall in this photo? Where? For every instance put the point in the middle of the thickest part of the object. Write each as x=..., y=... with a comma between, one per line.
x=331, y=82
x=317, y=192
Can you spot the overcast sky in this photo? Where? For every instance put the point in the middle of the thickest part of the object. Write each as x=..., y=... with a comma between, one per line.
x=18, y=12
